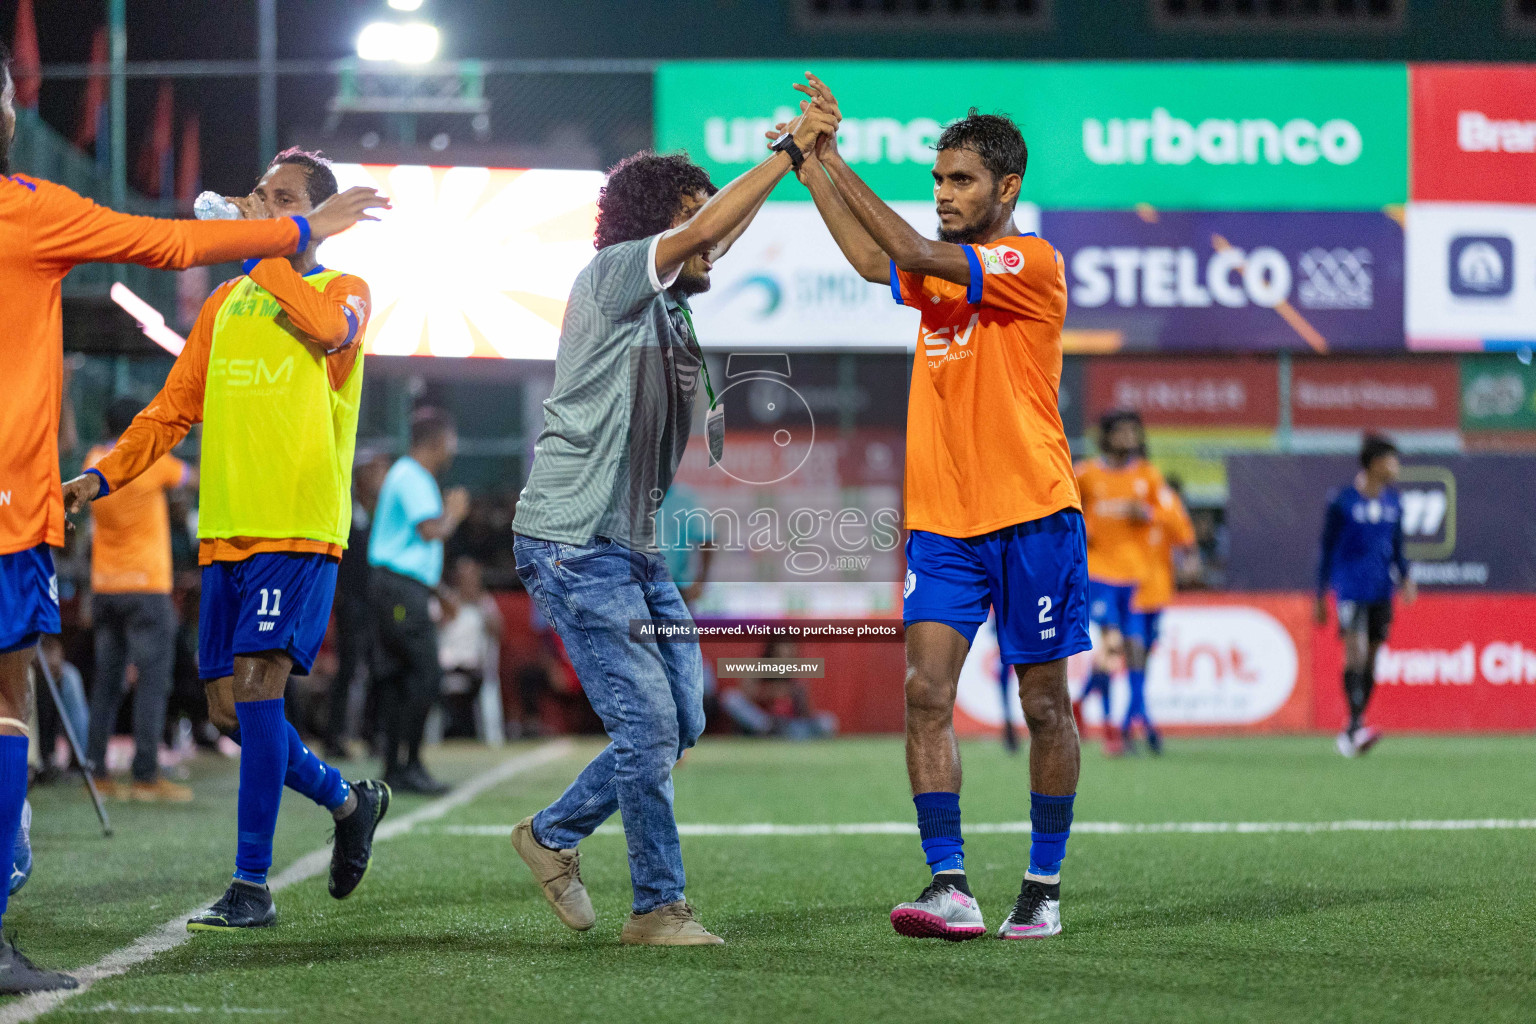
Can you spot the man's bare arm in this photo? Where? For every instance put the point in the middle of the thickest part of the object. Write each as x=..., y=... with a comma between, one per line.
x=859, y=248
x=895, y=237
x=911, y=251
x=730, y=239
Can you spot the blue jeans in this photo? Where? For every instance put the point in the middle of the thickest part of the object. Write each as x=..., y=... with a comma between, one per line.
x=649, y=696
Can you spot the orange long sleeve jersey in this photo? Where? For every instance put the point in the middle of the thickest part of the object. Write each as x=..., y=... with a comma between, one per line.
x=334, y=319
x=1170, y=530
x=45, y=231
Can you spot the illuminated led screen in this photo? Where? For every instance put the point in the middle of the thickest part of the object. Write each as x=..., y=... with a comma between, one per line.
x=471, y=261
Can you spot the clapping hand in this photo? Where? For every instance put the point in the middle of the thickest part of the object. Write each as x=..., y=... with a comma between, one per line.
x=822, y=111
x=822, y=97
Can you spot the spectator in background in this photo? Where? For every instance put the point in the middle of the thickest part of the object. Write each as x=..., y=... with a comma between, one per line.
x=480, y=535
x=687, y=542
x=354, y=616
x=71, y=690
x=134, y=618
x=774, y=705
x=1213, y=545
x=405, y=549
x=685, y=534
x=188, y=698
x=469, y=648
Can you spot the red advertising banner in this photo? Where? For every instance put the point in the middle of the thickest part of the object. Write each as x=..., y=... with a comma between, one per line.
x=1412, y=394
x=1225, y=663
x=1212, y=392
x=1474, y=133
x=1453, y=663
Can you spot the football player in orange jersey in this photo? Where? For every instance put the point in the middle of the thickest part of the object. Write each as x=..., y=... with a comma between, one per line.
x=1117, y=489
x=1170, y=534
x=992, y=507
x=45, y=230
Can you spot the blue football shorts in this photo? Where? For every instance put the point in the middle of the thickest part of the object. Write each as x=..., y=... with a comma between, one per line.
x=29, y=598
x=1109, y=604
x=273, y=601
x=1145, y=626
x=1034, y=574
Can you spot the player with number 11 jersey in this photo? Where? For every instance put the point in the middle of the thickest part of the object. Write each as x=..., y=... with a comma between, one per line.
x=273, y=372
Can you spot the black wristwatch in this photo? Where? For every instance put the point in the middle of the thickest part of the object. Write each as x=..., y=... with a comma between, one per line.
x=786, y=144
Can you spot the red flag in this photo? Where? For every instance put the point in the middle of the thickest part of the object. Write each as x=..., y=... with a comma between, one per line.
x=189, y=167
x=26, y=61
x=95, y=93
x=154, y=158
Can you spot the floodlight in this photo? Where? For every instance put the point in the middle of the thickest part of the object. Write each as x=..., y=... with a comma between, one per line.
x=378, y=41
x=411, y=43
x=416, y=43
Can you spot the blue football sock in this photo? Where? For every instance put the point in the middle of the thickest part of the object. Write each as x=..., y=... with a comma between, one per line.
x=308, y=775
x=312, y=777
x=1136, y=711
x=13, y=794
x=263, y=763
x=1098, y=682
x=1050, y=820
x=938, y=822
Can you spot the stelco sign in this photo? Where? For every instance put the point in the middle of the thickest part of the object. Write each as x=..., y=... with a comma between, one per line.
x=1324, y=282
x=1228, y=136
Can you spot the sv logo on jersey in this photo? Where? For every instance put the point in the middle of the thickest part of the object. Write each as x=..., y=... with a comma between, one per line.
x=936, y=343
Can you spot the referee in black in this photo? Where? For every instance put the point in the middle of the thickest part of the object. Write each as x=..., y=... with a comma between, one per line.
x=405, y=551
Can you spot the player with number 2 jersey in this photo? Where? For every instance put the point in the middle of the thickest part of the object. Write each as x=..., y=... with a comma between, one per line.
x=993, y=512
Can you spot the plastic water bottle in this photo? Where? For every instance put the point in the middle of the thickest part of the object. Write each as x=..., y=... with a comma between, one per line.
x=212, y=206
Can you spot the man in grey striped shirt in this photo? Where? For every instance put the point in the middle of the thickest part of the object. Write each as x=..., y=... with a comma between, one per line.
x=626, y=375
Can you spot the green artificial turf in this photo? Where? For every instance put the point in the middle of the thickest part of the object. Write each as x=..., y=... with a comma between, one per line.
x=1343, y=926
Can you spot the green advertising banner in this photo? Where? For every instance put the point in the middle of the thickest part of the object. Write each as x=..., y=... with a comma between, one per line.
x=1213, y=136
x=1498, y=392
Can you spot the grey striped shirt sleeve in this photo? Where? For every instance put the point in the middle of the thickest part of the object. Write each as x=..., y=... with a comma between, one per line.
x=624, y=278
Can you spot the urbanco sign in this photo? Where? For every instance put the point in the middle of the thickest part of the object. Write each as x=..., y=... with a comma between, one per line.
x=1101, y=135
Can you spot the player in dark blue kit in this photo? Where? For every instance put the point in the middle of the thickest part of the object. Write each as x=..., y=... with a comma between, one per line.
x=1362, y=562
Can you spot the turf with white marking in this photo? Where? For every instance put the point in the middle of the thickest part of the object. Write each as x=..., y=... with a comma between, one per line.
x=1108, y=828
x=174, y=932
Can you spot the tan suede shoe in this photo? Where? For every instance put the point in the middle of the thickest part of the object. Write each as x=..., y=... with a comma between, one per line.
x=558, y=873
x=672, y=925
x=161, y=791
x=109, y=788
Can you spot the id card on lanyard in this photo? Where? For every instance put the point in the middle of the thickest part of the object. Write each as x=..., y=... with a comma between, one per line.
x=714, y=421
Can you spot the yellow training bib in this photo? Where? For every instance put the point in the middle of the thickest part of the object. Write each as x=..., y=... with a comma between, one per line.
x=278, y=442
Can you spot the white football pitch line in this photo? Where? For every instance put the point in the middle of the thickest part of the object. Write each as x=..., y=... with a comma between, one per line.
x=1108, y=828
x=174, y=932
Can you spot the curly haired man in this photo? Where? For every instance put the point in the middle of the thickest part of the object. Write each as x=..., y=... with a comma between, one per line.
x=615, y=427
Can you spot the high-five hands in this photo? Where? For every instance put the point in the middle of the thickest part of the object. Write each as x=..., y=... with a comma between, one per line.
x=825, y=108
x=816, y=121
x=822, y=97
